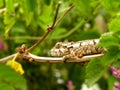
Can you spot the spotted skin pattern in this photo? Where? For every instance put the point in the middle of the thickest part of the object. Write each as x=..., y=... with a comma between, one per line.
x=77, y=49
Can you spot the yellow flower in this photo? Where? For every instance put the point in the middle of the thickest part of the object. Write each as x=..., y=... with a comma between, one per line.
x=16, y=66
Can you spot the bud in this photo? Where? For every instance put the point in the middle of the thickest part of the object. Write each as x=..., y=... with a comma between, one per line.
x=116, y=85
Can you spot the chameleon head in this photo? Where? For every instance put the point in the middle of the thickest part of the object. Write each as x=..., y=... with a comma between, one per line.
x=60, y=49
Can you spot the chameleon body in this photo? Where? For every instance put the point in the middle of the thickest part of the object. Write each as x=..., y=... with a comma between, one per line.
x=77, y=49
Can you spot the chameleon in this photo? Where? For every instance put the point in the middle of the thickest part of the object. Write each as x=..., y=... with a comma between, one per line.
x=77, y=49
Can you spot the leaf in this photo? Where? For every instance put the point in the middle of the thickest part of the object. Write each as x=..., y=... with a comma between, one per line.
x=111, y=81
x=16, y=66
x=114, y=25
x=94, y=71
x=29, y=18
x=111, y=55
x=1, y=3
x=111, y=4
x=9, y=5
x=29, y=7
x=83, y=6
x=4, y=86
x=11, y=79
x=9, y=22
x=108, y=40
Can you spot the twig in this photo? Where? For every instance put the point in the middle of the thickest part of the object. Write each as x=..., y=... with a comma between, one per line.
x=69, y=8
x=48, y=31
x=50, y=27
x=7, y=58
x=56, y=14
x=63, y=59
x=54, y=59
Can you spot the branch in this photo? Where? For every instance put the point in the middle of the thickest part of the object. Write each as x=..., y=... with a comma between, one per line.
x=67, y=10
x=7, y=58
x=54, y=59
x=63, y=59
x=50, y=27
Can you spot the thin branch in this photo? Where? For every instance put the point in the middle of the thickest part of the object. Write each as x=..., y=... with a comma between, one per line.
x=48, y=31
x=56, y=14
x=38, y=42
x=63, y=59
x=7, y=58
x=50, y=27
x=54, y=59
x=67, y=10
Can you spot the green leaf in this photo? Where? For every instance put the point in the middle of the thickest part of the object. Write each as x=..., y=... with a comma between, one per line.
x=111, y=55
x=111, y=4
x=108, y=40
x=9, y=22
x=114, y=25
x=9, y=5
x=94, y=71
x=11, y=78
x=111, y=81
x=83, y=6
x=47, y=2
x=1, y=3
x=29, y=7
x=4, y=86
x=29, y=18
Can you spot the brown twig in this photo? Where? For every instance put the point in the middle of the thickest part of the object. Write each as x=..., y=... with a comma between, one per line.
x=54, y=59
x=5, y=59
x=67, y=10
x=51, y=27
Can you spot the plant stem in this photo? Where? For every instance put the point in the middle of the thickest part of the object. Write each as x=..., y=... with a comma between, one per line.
x=69, y=8
x=51, y=27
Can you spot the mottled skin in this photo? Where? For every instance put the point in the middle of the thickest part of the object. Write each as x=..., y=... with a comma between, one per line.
x=77, y=49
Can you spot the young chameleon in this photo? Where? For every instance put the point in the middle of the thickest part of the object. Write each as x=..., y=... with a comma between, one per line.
x=77, y=49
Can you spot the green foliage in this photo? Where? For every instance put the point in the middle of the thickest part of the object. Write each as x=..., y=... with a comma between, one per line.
x=85, y=5
x=114, y=25
x=10, y=80
x=111, y=4
x=94, y=71
x=9, y=6
x=109, y=40
x=1, y=3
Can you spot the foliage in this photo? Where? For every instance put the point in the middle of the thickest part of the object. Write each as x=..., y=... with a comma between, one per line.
x=25, y=21
x=10, y=80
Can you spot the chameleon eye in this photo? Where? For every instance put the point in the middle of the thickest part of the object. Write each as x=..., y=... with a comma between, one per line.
x=58, y=45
